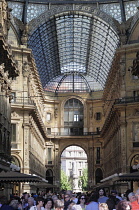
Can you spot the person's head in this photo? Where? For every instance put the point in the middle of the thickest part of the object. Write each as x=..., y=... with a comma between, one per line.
x=62, y=194
x=30, y=201
x=26, y=195
x=101, y=192
x=40, y=201
x=94, y=197
x=123, y=205
x=69, y=192
x=67, y=197
x=103, y=206
x=14, y=204
x=59, y=204
x=48, y=203
x=132, y=197
x=81, y=199
x=54, y=197
x=114, y=192
x=73, y=196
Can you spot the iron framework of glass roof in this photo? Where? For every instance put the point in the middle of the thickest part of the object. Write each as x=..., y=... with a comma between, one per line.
x=74, y=48
x=26, y=10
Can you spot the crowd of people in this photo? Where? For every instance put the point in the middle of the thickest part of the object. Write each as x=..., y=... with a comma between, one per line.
x=66, y=200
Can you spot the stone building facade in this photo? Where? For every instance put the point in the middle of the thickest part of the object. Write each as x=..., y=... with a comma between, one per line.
x=46, y=118
x=8, y=71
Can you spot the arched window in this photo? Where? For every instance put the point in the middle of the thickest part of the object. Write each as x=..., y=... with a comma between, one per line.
x=15, y=161
x=98, y=175
x=49, y=176
x=15, y=164
x=73, y=117
x=134, y=165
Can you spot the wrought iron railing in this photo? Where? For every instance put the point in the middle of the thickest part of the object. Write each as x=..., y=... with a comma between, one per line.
x=61, y=132
x=127, y=100
x=22, y=101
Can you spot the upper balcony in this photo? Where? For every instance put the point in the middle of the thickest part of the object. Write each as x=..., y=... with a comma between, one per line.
x=22, y=103
x=126, y=100
x=76, y=131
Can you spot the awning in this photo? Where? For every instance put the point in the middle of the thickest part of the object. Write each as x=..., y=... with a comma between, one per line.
x=44, y=185
x=129, y=177
x=12, y=176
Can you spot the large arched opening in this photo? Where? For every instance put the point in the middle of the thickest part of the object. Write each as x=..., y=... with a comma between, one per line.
x=74, y=169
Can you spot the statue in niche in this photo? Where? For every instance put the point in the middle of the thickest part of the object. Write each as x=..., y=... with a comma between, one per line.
x=135, y=163
x=55, y=112
x=123, y=33
x=24, y=37
x=122, y=65
x=135, y=67
x=25, y=69
x=136, y=132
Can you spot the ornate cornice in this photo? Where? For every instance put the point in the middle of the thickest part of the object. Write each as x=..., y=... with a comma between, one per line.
x=64, y=9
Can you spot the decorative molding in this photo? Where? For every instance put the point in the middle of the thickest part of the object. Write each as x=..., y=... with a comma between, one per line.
x=63, y=9
x=14, y=115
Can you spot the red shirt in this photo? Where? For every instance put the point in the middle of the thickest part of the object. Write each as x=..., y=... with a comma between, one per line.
x=135, y=205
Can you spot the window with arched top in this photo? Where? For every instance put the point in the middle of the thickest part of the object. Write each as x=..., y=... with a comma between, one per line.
x=73, y=117
x=98, y=175
x=134, y=165
x=15, y=161
x=49, y=176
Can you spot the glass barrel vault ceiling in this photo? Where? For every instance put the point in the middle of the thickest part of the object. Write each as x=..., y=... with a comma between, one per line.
x=73, y=49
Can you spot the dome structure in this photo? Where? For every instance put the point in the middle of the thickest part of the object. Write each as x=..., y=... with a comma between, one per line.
x=74, y=43
x=77, y=39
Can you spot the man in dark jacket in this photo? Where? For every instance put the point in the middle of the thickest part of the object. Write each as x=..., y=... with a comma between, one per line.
x=67, y=201
x=4, y=203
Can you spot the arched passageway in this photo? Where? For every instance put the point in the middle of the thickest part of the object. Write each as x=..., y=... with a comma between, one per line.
x=74, y=169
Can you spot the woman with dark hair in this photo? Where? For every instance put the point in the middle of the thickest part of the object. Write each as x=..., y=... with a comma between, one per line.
x=39, y=204
x=48, y=204
x=82, y=201
x=123, y=205
x=102, y=196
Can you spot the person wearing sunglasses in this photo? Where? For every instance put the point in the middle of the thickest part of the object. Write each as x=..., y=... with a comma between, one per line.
x=67, y=201
x=82, y=201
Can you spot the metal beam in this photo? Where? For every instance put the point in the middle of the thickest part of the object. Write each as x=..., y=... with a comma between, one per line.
x=123, y=16
x=24, y=15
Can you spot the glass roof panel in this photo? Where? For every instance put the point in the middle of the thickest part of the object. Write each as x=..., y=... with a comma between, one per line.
x=131, y=8
x=112, y=9
x=72, y=82
x=72, y=44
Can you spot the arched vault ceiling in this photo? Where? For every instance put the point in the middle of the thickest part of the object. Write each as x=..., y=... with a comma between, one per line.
x=74, y=43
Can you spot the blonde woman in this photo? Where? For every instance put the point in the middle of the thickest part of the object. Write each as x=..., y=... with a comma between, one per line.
x=103, y=206
x=59, y=205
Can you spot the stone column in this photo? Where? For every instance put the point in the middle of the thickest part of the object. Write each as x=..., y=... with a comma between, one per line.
x=90, y=164
x=57, y=166
x=26, y=148
x=123, y=147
